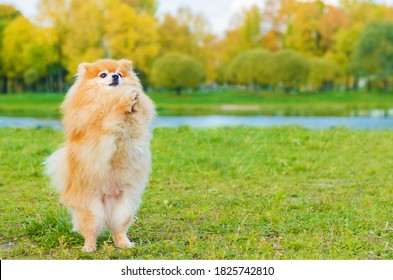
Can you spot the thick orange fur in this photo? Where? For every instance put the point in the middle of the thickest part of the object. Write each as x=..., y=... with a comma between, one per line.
x=103, y=168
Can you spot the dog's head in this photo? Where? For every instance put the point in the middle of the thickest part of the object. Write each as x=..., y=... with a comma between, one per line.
x=107, y=73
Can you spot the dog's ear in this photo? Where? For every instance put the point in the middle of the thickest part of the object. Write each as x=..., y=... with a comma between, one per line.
x=125, y=64
x=83, y=67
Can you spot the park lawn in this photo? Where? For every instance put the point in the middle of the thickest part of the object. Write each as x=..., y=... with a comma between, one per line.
x=227, y=102
x=227, y=193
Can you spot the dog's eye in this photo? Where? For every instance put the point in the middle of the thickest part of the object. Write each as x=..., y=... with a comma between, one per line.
x=121, y=76
x=103, y=75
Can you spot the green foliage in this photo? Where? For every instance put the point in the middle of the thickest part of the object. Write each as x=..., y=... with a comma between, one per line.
x=323, y=73
x=149, y=6
x=290, y=69
x=30, y=76
x=345, y=41
x=374, y=52
x=251, y=67
x=177, y=71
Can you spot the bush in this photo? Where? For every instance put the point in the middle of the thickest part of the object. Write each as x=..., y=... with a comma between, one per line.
x=323, y=73
x=290, y=69
x=177, y=71
x=251, y=67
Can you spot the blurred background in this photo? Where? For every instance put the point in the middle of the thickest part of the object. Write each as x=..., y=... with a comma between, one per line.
x=250, y=52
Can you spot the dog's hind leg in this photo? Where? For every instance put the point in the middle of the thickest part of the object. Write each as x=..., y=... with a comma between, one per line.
x=122, y=212
x=89, y=223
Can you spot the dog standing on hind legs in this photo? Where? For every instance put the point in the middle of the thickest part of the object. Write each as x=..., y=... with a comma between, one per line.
x=103, y=168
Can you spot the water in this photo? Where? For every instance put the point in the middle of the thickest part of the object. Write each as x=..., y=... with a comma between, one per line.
x=226, y=121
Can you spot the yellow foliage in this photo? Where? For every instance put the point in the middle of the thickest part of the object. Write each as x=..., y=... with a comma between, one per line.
x=131, y=35
x=83, y=37
x=26, y=46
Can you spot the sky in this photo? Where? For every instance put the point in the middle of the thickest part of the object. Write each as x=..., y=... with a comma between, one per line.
x=217, y=12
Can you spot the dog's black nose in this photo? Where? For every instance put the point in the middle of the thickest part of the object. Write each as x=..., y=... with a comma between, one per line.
x=115, y=77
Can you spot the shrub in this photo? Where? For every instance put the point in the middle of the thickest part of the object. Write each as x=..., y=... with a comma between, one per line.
x=251, y=67
x=290, y=69
x=177, y=71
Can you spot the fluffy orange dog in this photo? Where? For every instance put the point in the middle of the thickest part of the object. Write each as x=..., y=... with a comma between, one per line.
x=103, y=168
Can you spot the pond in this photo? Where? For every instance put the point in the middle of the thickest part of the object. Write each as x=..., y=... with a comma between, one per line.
x=226, y=121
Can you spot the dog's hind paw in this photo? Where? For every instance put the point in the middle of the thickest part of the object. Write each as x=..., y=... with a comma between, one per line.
x=88, y=248
x=125, y=244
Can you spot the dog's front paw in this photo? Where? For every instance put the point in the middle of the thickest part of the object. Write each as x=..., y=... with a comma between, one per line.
x=124, y=105
x=135, y=102
x=129, y=102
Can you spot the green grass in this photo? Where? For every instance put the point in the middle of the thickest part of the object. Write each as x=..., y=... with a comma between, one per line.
x=228, y=193
x=221, y=102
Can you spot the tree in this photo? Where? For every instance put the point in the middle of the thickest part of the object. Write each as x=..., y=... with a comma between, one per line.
x=131, y=35
x=246, y=34
x=55, y=14
x=302, y=32
x=342, y=51
x=373, y=56
x=26, y=49
x=252, y=68
x=7, y=14
x=148, y=6
x=331, y=21
x=323, y=73
x=177, y=71
x=290, y=69
x=174, y=36
x=190, y=34
x=84, y=35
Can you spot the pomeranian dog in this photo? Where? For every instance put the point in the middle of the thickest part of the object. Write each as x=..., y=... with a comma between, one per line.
x=103, y=168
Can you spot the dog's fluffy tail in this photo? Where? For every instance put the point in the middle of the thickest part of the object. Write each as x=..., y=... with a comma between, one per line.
x=56, y=168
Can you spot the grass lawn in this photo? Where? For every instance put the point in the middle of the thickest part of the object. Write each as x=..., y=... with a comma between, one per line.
x=227, y=102
x=228, y=193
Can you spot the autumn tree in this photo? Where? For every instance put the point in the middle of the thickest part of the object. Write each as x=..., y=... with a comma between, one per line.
x=177, y=72
x=246, y=34
x=189, y=33
x=323, y=73
x=131, y=35
x=302, y=32
x=26, y=52
x=345, y=41
x=272, y=38
x=55, y=15
x=147, y=6
x=7, y=14
x=332, y=20
x=84, y=35
x=174, y=36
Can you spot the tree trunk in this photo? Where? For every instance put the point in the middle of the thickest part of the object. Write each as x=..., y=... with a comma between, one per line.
x=385, y=84
x=355, y=83
x=4, y=85
x=369, y=85
x=60, y=79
